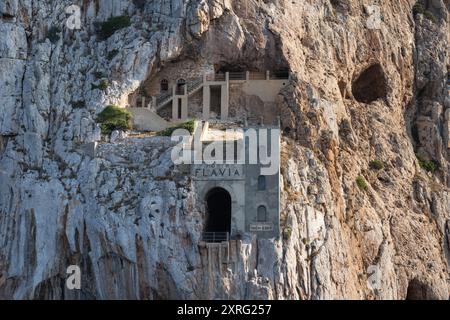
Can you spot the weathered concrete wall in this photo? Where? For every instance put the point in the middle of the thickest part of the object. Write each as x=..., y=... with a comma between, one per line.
x=269, y=198
x=266, y=90
x=252, y=107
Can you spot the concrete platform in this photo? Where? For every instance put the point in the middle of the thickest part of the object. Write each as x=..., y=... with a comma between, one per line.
x=146, y=120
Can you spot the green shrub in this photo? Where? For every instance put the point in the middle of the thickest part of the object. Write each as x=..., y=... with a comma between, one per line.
x=103, y=85
x=53, y=34
x=430, y=16
x=376, y=164
x=362, y=183
x=114, y=118
x=429, y=166
x=418, y=9
x=287, y=233
x=188, y=125
x=110, y=26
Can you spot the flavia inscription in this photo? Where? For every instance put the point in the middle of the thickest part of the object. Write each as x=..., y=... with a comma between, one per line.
x=214, y=171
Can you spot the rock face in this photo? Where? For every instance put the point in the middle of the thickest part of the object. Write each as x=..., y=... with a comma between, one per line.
x=129, y=219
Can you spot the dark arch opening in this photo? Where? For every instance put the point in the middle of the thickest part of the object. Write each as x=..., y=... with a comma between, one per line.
x=164, y=85
x=262, y=214
x=370, y=85
x=218, y=202
x=181, y=82
x=417, y=290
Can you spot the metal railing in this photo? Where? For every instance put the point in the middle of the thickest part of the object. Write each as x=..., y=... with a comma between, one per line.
x=237, y=75
x=194, y=84
x=216, y=77
x=215, y=237
x=255, y=75
x=279, y=75
x=163, y=98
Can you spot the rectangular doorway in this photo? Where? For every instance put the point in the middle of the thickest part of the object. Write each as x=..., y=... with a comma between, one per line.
x=180, y=107
x=216, y=101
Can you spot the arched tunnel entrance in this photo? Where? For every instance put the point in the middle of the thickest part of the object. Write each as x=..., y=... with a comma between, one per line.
x=218, y=219
x=418, y=290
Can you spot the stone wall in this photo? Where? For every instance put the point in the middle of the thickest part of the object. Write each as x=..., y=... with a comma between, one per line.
x=172, y=71
x=195, y=105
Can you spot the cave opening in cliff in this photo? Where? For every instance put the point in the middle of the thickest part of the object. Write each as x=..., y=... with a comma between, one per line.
x=218, y=202
x=370, y=85
x=417, y=290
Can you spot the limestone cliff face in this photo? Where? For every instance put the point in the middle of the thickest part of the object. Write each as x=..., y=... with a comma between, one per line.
x=364, y=89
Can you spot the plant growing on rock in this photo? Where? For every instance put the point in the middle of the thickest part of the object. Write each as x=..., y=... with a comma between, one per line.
x=114, y=118
x=376, y=164
x=103, y=85
x=287, y=233
x=362, y=183
x=109, y=27
x=430, y=16
x=427, y=165
x=418, y=9
x=188, y=125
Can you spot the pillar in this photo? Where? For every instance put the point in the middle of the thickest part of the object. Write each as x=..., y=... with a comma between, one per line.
x=206, y=101
x=174, y=104
x=267, y=75
x=225, y=97
x=143, y=102
x=174, y=108
x=184, y=107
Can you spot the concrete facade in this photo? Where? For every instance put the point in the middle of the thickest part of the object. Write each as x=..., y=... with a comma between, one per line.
x=147, y=120
x=255, y=198
x=179, y=105
x=224, y=97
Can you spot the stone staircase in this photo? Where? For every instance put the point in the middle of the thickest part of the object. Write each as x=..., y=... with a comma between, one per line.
x=193, y=86
x=163, y=99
